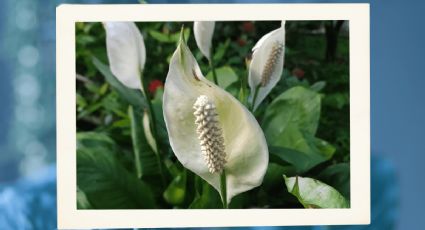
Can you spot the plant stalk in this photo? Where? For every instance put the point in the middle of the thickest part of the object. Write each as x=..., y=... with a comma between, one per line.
x=212, y=66
x=134, y=138
x=223, y=189
x=242, y=92
x=255, y=97
x=153, y=128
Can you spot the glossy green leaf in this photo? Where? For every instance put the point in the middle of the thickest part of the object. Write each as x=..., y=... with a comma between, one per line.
x=136, y=136
x=132, y=96
x=107, y=184
x=297, y=107
x=159, y=116
x=318, y=86
x=168, y=38
x=303, y=161
x=82, y=201
x=176, y=191
x=337, y=100
x=147, y=159
x=205, y=196
x=225, y=76
x=220, y=51
x=290, y=124
x=325, y=148
x=338, y=176
x=300, y=160
x=94, y=140
x=315, y=194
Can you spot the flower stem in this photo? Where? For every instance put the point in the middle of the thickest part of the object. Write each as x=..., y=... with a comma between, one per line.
x=255, y=97
x=153, y=128
x=242, y=92
x=223, y=188
x=212, y=66
x=134, y=138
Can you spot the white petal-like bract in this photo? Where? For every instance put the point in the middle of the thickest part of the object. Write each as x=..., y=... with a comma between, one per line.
x=204, y=31
x=246, y=151
x=266, y=65
x=126, y=52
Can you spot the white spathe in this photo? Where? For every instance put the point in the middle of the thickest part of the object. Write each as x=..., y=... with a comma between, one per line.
x=204, y=31
x=266, y=66
x=126, y=52
x=245, y=145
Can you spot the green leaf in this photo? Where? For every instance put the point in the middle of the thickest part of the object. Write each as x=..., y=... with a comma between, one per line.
x=107, y=184
x=221, y=50
x=337, y=100
x=338, y=176
x=81, y=102
x=274, y=174
x=206, y=197
x=235, y=90
x=290, y=124
x=82, y=201
x=176, y=191
x=175, y=37
x=84, y=39
x=160, y=36
x=297, y=107
x=159, y=116
x=123, y=123
x=325, y=148
x=147, y=158
x=315, y=194
x=225, y=76
x=112, y=103
x=169, y=38
x=132, y=96
x=303, y=161
x=103, y=89
x=318, y=86
x=300, y=160
x=91, y=108
x=136, y=135
x=94, y=140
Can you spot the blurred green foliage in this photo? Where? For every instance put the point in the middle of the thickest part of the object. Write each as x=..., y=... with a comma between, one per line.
x=305, y=119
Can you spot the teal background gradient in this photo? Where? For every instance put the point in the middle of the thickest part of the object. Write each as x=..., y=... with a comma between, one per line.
x=27, y=112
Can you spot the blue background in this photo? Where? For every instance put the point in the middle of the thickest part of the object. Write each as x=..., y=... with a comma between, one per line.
x=27, y=113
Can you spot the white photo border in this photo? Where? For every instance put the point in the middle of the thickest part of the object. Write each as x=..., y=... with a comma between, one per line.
x=359, y=42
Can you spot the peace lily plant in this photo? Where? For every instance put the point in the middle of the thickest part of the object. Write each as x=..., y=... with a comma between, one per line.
x=266, y=65
x=208, y=145
x=211, y=133
x=204, y=31
x=127, y=56
x=126, y=52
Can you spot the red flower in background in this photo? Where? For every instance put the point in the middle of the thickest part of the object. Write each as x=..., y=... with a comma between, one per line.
x=154, y=85
x=248, y=27
x=298, y=72
x=241, y=42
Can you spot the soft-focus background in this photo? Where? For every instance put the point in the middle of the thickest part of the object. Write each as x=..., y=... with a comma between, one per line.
x=27, y=114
